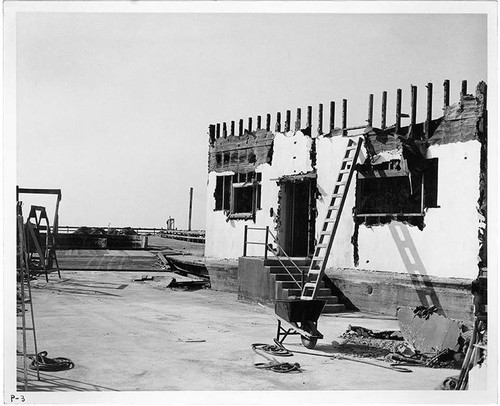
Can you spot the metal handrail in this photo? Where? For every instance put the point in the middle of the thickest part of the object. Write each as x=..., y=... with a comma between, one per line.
x=266, y=248
x=290, y=259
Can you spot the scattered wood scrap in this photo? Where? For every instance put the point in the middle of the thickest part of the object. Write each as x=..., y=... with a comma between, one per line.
x=189, y=284
x=144, y=278
x=188, y=268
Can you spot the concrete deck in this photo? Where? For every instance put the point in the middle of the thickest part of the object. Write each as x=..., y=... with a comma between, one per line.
x=135, y=336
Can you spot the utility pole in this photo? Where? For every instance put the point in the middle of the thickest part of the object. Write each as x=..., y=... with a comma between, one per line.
x=190, y=207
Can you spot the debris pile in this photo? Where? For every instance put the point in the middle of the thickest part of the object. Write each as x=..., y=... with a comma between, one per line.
x=425, y=339
x=102, y=231
x=362, y=342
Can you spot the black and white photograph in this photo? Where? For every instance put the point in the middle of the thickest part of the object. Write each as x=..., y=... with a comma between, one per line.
x=250, y=202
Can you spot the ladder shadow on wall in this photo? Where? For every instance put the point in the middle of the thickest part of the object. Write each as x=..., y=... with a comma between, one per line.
x=414, y=266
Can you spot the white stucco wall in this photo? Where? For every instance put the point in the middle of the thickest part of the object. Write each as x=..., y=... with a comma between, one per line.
x=447, y=247
x=224, y=239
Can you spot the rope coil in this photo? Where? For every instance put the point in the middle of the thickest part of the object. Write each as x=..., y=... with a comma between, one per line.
x=44, y=363
x=274, y=365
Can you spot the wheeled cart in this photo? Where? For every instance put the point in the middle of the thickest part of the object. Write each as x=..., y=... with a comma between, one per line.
x=299, y=317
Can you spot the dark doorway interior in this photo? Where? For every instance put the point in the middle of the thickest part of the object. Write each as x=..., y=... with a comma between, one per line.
x=297, y=222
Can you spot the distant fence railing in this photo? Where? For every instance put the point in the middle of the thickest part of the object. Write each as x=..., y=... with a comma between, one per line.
x=184, y=235
x=138, y=230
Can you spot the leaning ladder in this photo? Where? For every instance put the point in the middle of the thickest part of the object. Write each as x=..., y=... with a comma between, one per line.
x=332, y=220
x=24, y=296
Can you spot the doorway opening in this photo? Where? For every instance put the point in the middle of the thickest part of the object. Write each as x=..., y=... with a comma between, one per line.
x=297, y=215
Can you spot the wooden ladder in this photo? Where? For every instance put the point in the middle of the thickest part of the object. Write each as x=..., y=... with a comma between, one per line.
x=332, y=220
x=45, y=250
x=25, y=304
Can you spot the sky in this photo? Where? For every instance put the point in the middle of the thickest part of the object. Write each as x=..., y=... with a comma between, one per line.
x=114, y=108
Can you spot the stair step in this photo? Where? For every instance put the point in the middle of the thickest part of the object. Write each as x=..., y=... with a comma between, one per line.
x=280, y=270
x=283, y=277
x=272, y=262
x=320, y=292
x=333, y=308
x=293, y=285
x=329, y=299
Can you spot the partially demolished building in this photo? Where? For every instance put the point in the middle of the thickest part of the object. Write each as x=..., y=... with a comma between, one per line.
x=412, y=229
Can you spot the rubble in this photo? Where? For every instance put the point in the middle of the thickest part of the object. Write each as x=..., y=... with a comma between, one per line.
x=428, y=332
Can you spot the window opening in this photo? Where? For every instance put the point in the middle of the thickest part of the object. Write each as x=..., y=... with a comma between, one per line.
x=239, y=194
x=392, y=189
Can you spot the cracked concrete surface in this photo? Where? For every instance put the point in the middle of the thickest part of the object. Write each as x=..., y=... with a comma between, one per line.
x=135, y=336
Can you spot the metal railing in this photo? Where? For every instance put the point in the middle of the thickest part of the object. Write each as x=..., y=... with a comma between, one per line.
x=267, y=247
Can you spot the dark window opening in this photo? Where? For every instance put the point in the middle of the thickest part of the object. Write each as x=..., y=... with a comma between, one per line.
x=431, y=183
x=222, y=193
x=243, y=199
x=238, y=194
x=388, y=191
x=227, y=193
x=219, y=192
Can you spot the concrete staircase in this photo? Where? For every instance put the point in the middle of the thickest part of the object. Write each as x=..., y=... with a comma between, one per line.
x=286, y=288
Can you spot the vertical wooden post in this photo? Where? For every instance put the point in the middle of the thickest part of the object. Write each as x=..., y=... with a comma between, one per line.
x=268, y=122
x=211, y=133
x=218, y=131
x=267, y=242
x=464, y=88
x=344, y=116
x=332, y=116
x=297, y=121
x=320, y=119
x=224, y=130
x=429, y=111
x=446, y=98
x=278, y=122
x=232, y=128
x=370, y=110
x=190, y=207
x=398, y=110
x=245, y=239
x=250, y=124
x=287, y=120
x=309, y=117
x=384, y=111
x=413, y=110
x=240, y=129
x=259, y=122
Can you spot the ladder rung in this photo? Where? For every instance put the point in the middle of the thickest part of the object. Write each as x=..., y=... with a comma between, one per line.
x=337, y=195
x=341, y=184
x=353, y=147
x=345, y=171
x=318, y=259
x=314, y=271
x=325, y=232
x=321, y=246
x=309, y=285
x=332, y=220
x=333, y=207
x=26, y=328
